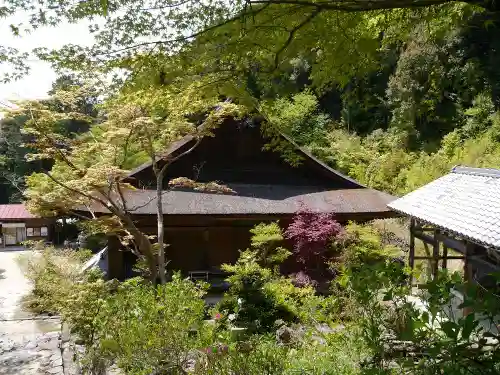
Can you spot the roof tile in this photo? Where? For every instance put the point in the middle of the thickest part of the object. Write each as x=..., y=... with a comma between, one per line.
x=466, y=202
x=14, y=212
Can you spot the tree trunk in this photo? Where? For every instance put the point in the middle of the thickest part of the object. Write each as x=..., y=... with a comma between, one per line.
x=161, y=227
x=144, y=245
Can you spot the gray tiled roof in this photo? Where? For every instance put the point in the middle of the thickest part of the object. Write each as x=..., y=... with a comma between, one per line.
x=263, y=199
x=465, y=202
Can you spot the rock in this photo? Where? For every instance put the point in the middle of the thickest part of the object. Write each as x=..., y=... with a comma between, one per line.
x=49, y=345
x=57, y=370
x=57, y=362
x=31, y=345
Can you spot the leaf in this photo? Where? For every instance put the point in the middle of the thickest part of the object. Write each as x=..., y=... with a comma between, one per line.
x=469, y=323
x=449, y=328
x=388, y=296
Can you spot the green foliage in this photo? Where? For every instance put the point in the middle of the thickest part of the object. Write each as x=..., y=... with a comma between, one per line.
x=300, y=118
x=265, y=242
x=54, y=274
x=427, y=334
x=254, y=305
x=361, y=245
x=144, y=329
x=338, y=353
x=359, y=248
x=259, y=296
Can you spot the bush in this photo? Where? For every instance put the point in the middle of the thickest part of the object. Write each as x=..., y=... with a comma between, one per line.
x=311, y=234
x=361, y=245
x=147, y=329
x=253, y=304
x=426, y=335
x=53, y=274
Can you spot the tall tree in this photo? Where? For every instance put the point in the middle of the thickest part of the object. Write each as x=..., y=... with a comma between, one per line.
x=89, y=172
x=13, y=164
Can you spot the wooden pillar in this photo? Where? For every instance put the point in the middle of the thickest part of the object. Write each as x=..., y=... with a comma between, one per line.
x=469, y=251
x=116, y=265
x=445, y=258
x=435, y=255
x=411, y=255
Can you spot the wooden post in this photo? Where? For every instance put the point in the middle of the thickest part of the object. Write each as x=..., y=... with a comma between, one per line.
x=435, y=255
x=469, y=251
x=445, y=257
x=116, y=265
x=411, y=257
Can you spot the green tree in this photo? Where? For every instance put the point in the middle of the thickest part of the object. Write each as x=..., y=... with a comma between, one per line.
x=13, y=141
x=88, y=172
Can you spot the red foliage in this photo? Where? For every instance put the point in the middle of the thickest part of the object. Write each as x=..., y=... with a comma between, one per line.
x=310, y=233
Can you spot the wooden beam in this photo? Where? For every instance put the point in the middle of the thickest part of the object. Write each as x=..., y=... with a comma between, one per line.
x=424, y=237
x=469, y=251
x=450, y=243
x=440, y=258
x=483, y=262
x=411, y=259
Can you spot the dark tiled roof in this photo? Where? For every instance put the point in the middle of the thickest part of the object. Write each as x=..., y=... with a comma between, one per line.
x=262, y=199
x=14, y=212
x=465, y=202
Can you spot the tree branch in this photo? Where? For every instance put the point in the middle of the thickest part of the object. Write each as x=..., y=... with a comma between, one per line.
x=76, y=191
x=360, y=5
x=171, y=160
x=292, y=34
x=191, y=36
x=135, y=208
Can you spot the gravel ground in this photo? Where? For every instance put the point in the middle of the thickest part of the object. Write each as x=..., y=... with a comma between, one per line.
x=29, y=345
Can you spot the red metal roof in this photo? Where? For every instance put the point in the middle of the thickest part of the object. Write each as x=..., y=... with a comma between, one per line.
x=14, y=211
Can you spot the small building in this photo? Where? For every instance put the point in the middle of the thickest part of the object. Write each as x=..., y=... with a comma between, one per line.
x=459, y=211
x=18, y=225
x=204, y=229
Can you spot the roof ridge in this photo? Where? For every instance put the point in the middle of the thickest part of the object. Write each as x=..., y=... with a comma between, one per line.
x=485, y=172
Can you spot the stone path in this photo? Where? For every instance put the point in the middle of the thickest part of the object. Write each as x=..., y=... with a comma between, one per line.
x=29, y=345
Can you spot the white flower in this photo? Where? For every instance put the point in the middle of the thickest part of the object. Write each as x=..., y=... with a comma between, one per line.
x=240, y=301
x=231, y=317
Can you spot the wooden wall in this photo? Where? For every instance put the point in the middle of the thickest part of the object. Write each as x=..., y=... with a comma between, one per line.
x=236, y=155
x=204, y=242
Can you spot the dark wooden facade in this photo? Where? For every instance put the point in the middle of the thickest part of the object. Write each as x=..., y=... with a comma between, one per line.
x=205, y=230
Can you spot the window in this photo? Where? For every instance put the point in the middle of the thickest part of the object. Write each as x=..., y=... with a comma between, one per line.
x=43, y=231
x=36, y=232
x=29, y=232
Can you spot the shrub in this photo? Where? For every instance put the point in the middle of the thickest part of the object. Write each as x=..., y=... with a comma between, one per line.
x=260, y=355
x=147, y=329
x=361, y=245
x=53, y=274
x=255, y=307
x=426, y=335
x=266, y=243
x=311, y=234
